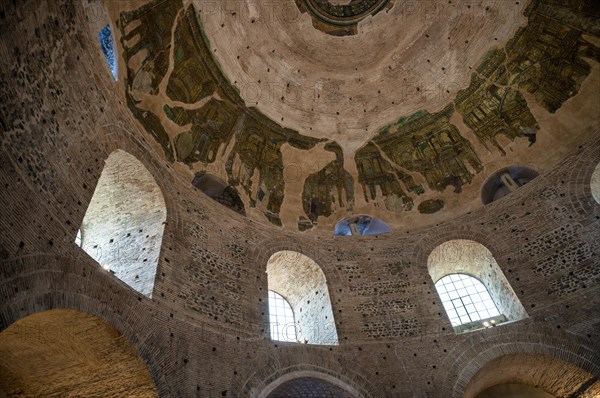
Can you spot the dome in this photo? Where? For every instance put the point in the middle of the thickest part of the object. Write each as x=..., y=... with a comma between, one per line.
x=312, y=110
x=300, y=198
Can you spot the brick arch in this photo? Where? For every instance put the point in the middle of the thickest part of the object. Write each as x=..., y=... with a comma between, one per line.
x=302, y=282
x=324, y=381
x=468, y=257
x=262, y=383
x=422, y=249
x=579, y=180
x=57, y=283
x=65, y=351
x=426, y=245
x=473, y=354
x=550, y=374
x=263, y=249
x=118, y=137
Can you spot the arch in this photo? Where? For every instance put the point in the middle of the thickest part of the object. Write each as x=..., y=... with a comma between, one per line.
x=468, y=356
x=58, y=282
x=302, y=282
x=466, y=257
x=505, y=181
x=360, y=225
x=219, y=191
x=123, y=226
x=514, y=390
x=63, y=352
x=595, y=184
x=307, y=383
x=552, y=377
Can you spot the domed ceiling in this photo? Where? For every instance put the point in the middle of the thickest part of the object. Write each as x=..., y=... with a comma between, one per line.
x=313, y=110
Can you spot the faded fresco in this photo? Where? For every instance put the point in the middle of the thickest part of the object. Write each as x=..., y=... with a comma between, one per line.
x=177, y=91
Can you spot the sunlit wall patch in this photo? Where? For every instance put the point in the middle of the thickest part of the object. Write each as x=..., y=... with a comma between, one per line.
x=107, y=43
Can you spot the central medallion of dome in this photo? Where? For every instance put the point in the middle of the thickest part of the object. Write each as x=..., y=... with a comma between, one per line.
x=339, y=19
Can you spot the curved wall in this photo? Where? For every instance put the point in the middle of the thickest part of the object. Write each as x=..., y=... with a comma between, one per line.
x=65, y=353
x=204, y=331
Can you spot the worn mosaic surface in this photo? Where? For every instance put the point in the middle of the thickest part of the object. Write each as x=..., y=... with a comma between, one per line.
x=176, y=90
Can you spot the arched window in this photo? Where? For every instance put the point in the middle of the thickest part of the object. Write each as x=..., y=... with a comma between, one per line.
x=472, y=288
x=124, y=223
x=466, y=299
x=526, y=374
x=303, y=284
x=105, y=37
x=219, y=191
x=281, y=318
x=301, y=381
x=595, y=184
x=506, y=181
x=360, y=225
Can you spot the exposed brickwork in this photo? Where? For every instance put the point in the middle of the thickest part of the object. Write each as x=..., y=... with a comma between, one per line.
x=204, y=331
x=52, y=353
x=309, y=388
x=302, y=282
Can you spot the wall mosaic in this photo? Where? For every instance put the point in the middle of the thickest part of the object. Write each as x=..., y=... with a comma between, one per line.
x=176, y=90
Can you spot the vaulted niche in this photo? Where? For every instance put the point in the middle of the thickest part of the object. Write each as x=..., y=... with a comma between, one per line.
x=302, y=283
x=66, y=353
x=303, y=387
x=506, y=181
x=471, y=286
x=360, y=225
x=529, y=375
x=514, y=390
x=595, y=184
x=124, y=223
x=219, y=191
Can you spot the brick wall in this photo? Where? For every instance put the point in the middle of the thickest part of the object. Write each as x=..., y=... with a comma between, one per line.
x=203, y=332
